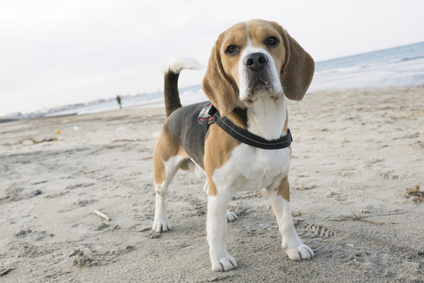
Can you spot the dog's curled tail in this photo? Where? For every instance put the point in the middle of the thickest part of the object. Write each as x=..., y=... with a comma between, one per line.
x=171, y=74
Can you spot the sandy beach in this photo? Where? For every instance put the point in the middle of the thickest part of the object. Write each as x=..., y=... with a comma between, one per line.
x=358, y=157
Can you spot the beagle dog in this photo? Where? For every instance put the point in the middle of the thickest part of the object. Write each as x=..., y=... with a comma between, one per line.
x=253, y=68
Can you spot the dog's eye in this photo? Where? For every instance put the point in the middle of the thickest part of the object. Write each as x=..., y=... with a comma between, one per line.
x=232, y=49
x=271, y=41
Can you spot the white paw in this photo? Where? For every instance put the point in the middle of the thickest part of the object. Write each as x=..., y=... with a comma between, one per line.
x=231, y=216
x=299, y=252
x=161, y=225
x=224, y=263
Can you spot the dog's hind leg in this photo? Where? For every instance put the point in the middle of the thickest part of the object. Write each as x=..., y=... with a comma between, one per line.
x=231, y=216
x=167, y=159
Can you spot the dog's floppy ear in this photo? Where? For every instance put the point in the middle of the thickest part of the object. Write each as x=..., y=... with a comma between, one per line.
x=217, y=86
x=298, y=70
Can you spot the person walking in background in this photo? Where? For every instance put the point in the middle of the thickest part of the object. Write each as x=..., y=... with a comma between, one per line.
x=118, y=99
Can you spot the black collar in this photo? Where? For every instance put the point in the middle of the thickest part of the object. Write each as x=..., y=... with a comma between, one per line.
x=210, y=115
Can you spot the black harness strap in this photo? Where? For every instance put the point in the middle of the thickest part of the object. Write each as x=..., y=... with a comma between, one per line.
x=206, y=116
x=210, y=115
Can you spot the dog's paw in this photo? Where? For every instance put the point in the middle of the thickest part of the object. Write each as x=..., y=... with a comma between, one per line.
x=231, y=216
x=224, y=263
x=161, y=225
x=299, y=252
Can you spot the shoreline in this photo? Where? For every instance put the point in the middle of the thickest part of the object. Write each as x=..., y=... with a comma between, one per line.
x=160, y=103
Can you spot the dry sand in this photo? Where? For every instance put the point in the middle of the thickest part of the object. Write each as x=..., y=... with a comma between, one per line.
x=355, y=153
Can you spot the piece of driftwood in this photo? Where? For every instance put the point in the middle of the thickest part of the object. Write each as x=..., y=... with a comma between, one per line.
x=102, y=215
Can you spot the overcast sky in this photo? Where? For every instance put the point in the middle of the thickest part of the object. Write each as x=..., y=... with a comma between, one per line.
x=60, y=52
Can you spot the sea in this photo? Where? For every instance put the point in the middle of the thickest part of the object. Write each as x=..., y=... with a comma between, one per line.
x=401, y=66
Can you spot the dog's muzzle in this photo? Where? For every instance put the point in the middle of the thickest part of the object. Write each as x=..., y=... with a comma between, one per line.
x=259, y=77
x=256, y=62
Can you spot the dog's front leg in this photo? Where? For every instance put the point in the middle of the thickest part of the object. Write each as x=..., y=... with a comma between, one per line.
x=279, y=198
x=216, y=230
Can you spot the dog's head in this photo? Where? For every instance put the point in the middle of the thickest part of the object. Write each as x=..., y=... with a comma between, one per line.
x=253, y=59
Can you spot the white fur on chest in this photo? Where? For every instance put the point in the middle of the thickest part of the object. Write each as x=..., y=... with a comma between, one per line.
x=250, y=168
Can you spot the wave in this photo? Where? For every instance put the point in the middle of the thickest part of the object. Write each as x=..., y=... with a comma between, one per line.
x=408, y=59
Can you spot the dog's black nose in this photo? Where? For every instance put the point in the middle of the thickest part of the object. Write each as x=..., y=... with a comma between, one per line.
x=256, y=61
